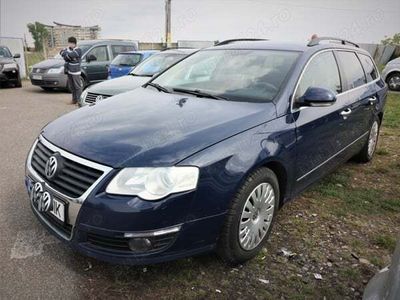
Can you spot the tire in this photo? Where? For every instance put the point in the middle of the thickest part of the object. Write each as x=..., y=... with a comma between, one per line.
x=393, y=81
x=235, y=247
x=18, y=84
x=47, y=89
x=367, y=152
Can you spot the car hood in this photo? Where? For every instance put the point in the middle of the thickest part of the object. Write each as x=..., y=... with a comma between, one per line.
x=6, y=60
x=49, y=63
x=118, y=85
x=147, y=128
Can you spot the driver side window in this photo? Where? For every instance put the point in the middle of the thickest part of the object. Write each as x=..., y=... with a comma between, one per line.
x=321, y=72
x=100, y=53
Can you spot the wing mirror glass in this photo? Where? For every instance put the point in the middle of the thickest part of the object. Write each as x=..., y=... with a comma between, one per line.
x=91, y=57
x=17, y=55
x=315, y=96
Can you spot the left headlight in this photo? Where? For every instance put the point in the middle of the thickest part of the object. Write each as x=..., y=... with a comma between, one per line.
x=55, y=70
x=10, y=66
x=153, y=183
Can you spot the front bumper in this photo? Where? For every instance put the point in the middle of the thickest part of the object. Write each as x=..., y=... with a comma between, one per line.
x=100, y=225
x=49, y=80
x=9, y=75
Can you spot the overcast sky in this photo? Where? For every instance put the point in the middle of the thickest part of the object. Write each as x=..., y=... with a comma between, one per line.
x=358, y=20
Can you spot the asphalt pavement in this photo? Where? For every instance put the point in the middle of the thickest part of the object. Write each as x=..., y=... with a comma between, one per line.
x=33, y=264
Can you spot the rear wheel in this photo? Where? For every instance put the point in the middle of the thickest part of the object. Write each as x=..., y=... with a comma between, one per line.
x=393, y=81
x=368, y=151
x=250, y=218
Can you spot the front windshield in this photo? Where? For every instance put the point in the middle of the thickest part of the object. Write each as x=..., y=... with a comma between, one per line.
x=241, y=75
x=130, y=60
x=156, y=63
x=4, y=52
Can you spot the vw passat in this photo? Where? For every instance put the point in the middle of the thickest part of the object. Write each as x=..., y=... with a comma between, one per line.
x=202, y=157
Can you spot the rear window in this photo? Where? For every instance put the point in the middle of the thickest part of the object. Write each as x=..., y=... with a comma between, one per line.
x=369, y=67
x=353, y=72
x=117, y=49
x=129, y=60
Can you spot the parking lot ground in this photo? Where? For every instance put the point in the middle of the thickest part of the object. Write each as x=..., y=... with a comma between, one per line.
x=327, y=243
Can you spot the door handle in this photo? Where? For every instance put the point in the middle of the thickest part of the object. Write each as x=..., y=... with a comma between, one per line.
x=372, y=100
x=346, y=112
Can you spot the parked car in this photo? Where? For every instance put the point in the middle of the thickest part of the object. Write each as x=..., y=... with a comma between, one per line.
x=123, y=63
x=391, y=74
x=201, y=157
x=386, y=284
x=96, y=57
x=9, y=69
x=137, y=77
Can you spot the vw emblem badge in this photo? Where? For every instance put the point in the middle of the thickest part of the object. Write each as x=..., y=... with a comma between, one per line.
x=36, y=192
x=99, y=98
x=51, y=167
x=44, y=202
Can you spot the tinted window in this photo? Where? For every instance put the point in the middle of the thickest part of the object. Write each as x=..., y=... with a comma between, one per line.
x=353, y=72
x=100, y=53
x=322, y=72
x=369, y=67
x=127, y=59
x=238, y=75
x=117, y=49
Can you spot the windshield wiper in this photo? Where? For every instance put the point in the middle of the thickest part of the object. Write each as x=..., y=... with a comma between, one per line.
x=199, y=93
x=160, y=88
x=141, y=75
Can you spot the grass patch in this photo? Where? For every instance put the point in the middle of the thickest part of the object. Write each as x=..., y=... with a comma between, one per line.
x=382, y=151
x=391, y=118
x=386, y=241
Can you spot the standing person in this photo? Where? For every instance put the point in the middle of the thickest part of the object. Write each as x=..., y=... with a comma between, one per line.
x=72, y=56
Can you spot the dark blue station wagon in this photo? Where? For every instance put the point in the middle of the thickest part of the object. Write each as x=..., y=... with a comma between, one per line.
x=202, y=157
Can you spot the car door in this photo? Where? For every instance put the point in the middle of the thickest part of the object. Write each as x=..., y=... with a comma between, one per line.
x=320, y=130
x=358, y=97
x=97, y=70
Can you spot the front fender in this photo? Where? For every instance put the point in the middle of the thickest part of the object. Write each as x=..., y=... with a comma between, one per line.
x=225, y=165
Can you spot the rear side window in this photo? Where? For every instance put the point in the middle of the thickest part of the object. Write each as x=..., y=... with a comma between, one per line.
x=353, y=72
x=117, y=49
x=369, y=67
x=322, y=71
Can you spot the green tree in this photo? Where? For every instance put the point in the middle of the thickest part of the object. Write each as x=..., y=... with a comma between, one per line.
x=39, y=34
x=394, y=40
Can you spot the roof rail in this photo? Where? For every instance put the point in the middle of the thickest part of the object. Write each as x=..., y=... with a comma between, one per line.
x=316, y=41
x=226, y=42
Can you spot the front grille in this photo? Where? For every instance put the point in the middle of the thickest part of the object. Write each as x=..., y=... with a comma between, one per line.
x=72, y=180
x=91, y=97
x=38, y=70
x=121, y=243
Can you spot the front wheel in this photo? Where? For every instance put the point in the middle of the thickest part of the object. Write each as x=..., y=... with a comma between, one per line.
x=368, y=151
x=250, y=218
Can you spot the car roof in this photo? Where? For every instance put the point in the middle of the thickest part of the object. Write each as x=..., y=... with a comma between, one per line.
x=141, y=52
x=110, y=41
x=289, y=46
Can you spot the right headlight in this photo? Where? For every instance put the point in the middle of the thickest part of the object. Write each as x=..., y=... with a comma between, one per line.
x=153, y=183
x=56, y=70
x=83, y=95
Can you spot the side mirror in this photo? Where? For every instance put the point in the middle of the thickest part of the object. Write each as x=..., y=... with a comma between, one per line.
x=91, y=57
x=315, y=97
x=17, y=55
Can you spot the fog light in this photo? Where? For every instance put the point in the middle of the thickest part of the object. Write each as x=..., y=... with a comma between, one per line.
x=140, y=244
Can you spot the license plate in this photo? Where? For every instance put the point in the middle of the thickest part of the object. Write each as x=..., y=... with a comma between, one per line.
x=58, y=210
x=37, y=77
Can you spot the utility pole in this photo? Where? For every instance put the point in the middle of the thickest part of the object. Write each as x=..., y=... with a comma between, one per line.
x=168, y=36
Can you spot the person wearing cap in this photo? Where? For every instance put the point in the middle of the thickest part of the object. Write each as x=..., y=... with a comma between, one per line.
x=72, y=67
